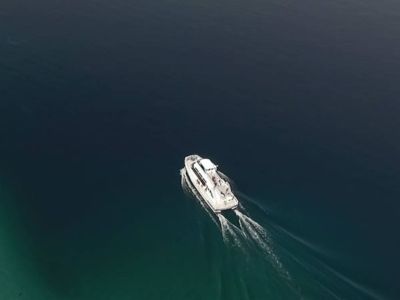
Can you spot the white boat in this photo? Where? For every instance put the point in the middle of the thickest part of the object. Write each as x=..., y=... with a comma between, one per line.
x=204, y=177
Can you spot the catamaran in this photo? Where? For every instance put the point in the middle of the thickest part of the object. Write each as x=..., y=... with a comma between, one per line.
x=214, y=190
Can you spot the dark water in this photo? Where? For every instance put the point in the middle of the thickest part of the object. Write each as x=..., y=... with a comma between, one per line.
x=101, y=100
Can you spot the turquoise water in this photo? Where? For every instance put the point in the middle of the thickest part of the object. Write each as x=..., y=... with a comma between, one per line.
x=297, y=102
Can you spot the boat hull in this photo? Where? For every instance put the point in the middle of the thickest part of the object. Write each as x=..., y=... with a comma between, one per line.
x=195, y=182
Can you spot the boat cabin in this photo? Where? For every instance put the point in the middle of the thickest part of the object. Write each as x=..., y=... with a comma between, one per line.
x=208, y=165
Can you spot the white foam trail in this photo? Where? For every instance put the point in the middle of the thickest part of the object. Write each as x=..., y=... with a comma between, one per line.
x=259, y=235
x=230, y=233
x=224, y=228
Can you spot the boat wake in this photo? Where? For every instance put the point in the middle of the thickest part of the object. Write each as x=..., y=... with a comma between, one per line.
x=230, y=233
x=249, y=233
x=274, y=249
x=259, y=235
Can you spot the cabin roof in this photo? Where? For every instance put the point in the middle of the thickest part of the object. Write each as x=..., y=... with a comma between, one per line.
x=207, y=164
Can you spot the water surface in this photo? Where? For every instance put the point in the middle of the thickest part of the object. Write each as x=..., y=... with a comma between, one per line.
x=100, y=102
